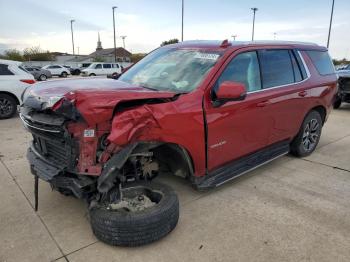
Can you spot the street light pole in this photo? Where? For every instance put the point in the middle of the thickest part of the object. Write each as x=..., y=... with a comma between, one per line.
x=274, y=36
x=330, y=25
x=182, y=21
x=71, y=29
x=234, y=37
x=254, y=11
x=123, y=37
x=115, y=47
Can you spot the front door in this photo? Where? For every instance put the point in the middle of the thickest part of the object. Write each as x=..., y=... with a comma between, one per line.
x=238, y=128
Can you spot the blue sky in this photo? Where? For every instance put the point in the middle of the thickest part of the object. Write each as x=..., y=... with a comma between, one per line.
x=146, y=24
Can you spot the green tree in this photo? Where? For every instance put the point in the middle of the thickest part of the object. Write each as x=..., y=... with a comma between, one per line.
x=35, y=53
x=13, y=54
x=169, y=42
x=98, y=59
x=137, y=57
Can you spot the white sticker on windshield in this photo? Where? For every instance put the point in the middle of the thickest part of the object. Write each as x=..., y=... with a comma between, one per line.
x=207, y=56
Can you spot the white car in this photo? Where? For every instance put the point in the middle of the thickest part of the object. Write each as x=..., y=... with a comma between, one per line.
x=97, y=69
x=14, y=79
x=57, y=70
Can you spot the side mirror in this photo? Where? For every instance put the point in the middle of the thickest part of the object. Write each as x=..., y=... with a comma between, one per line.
x=230, y=91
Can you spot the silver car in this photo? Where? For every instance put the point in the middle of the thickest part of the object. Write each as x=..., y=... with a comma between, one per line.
x=39, y=73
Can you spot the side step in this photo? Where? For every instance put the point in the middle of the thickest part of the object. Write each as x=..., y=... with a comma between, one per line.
x=242, y=166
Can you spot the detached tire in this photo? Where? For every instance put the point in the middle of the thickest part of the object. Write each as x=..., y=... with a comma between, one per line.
x=123, y=227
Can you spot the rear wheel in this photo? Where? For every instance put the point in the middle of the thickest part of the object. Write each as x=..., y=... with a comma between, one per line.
x=8, y=106
x=146, y=213
x=64, y=74
x=42, y=77
x=309, y=135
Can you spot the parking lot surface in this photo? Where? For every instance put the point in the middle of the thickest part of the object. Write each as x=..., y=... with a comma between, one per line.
x=288, y=210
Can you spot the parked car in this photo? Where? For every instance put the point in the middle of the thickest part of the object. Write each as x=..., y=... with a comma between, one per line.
x=204, y=111
x=343, y=94
x=39, y=73
x=57, y=70
x=14, y=79
x=77, y=70
x=97, y=69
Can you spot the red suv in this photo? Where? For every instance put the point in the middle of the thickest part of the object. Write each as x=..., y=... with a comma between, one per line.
x=204, y=110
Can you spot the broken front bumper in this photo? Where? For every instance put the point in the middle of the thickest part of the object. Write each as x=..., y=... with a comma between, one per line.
x=40, y=167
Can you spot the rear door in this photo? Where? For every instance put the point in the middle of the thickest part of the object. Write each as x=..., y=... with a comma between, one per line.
x=283, y=84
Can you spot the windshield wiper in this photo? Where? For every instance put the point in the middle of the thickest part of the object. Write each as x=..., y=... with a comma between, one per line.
x=149, y=88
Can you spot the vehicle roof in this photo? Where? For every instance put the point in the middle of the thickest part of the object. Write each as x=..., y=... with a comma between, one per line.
x=9, y=62
x=216, y=44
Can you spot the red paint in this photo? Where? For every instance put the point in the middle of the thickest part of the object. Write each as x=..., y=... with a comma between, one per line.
x=235, y=129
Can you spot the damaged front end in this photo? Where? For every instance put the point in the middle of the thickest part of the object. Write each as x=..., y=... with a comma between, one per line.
x=72, y=148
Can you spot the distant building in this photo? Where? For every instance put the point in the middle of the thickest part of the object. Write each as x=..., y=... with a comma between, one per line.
x=107, y=54
x=101, y=55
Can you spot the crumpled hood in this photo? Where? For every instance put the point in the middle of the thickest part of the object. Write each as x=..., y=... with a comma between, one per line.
x=95, y=99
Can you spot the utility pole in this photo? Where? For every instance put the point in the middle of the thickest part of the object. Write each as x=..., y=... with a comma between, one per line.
x=115, y=46
x=330, y=24
x=274, y=36
x=71, y=29
x=123, y=37
x=254, y=9
x=182, y=21
x=234, y=37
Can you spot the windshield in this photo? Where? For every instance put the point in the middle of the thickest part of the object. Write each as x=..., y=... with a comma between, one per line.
x=177, y=70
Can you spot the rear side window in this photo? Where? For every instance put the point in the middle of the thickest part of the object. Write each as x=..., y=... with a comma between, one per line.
x=297, y=72
x=244, y=68
x=276, y=68
x=322, y=62
x=107, y=66
x=4, y=70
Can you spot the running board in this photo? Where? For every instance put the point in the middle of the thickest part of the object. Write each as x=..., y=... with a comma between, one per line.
x=241, y=166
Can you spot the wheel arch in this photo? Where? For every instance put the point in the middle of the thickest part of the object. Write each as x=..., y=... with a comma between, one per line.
x=12, y=95
x=321, y=110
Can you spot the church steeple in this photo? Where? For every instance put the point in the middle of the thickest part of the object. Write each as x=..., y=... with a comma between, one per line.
x=99, y=44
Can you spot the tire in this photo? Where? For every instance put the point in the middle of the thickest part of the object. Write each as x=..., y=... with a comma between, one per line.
x=337, y=103
x=42, y=77
x=136, y=228
x=92, y=74
x=309, y=135
x=64, y=74
x=8, y=106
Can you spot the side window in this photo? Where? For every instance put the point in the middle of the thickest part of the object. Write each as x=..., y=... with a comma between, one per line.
x=98, y=66
x=276, y=68
x=107, y=66
x=322, y=62
x=4, y=70
x=243, y=68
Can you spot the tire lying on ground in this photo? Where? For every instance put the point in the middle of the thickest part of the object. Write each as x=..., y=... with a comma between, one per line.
x=148, y=212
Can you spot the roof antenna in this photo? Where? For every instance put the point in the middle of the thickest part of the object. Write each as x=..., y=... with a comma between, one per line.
x=225, y=44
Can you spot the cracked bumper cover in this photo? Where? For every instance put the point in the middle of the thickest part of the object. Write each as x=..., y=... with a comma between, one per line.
x=40, y=167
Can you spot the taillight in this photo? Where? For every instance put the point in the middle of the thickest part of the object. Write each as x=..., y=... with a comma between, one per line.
x=28, y=81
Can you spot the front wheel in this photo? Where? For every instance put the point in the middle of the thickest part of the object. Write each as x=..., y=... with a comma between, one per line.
x=64, y=74
x=147, y=212
x=92, y=74
x=309, y=135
